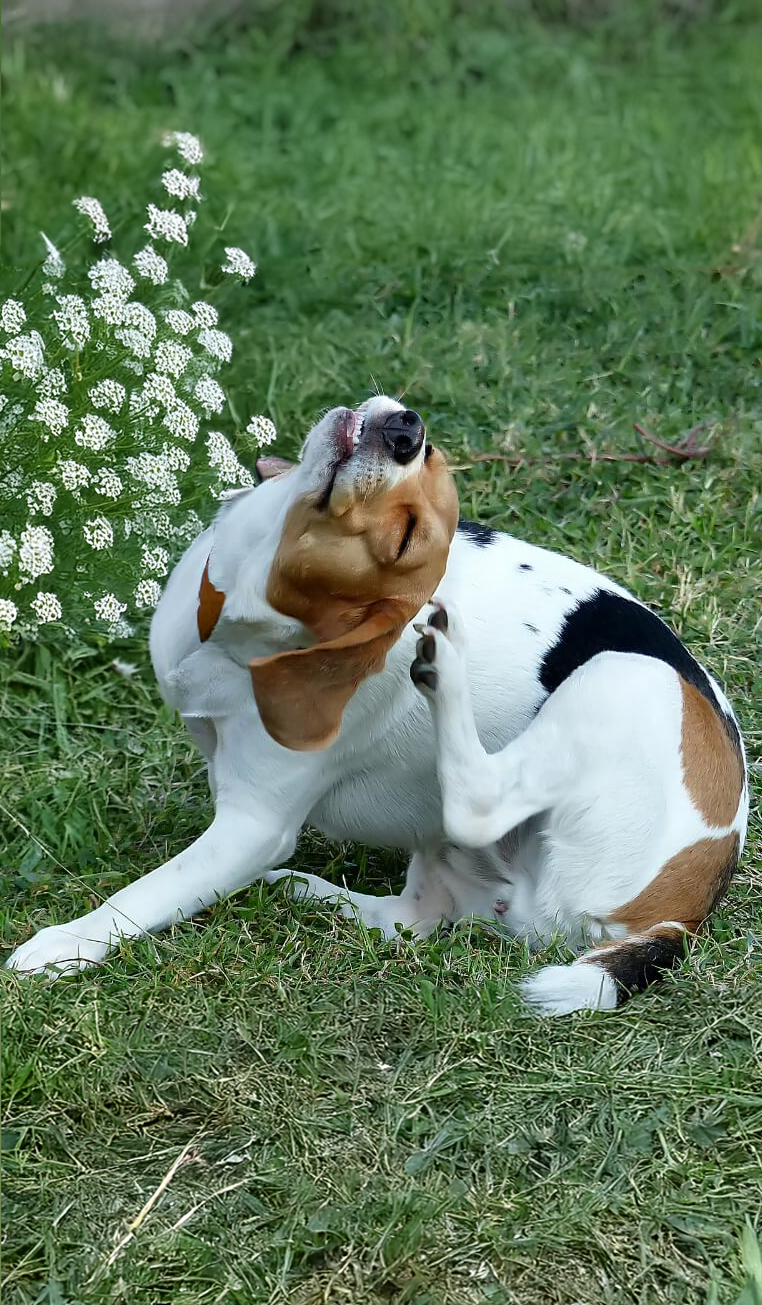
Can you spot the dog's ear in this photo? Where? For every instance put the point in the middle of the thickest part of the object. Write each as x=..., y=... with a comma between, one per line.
x=301, y=695
x=270, y=466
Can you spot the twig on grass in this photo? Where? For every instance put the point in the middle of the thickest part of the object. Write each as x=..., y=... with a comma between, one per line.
x=684, y=448
x=681, y=451
x=187, y=1155
x=230, y=1187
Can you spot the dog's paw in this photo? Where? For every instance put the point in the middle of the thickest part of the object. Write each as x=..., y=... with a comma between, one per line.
x=437, y=650
x=55, y=951
x=423, y=670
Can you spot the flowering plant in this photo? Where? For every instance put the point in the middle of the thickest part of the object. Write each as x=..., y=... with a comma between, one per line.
x=108, y=381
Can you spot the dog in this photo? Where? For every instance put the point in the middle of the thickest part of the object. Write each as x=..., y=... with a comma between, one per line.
x=546, y=748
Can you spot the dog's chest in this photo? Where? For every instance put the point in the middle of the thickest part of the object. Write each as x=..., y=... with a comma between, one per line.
x=383, y=808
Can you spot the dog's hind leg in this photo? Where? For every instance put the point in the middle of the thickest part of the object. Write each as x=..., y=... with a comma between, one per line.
x=422, y=904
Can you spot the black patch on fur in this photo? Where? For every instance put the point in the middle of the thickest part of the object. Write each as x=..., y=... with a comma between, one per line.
x=636, y=964
x=478, y=533
x=607, y=622
x=531, y=628
x=525, y=566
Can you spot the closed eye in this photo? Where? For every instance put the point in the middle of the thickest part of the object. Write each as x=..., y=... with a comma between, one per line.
x=412, y=522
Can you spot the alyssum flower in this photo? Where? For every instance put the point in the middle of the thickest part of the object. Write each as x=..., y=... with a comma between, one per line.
x=107, y=380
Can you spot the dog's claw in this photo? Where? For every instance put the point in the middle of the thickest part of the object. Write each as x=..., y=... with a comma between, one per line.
x=422, y=672
x=426, y=648
x=438, y=618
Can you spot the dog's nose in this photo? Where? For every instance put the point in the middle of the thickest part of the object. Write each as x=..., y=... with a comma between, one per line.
x=403, y=435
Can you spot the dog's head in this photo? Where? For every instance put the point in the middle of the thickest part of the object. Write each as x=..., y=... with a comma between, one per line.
x=371, y=511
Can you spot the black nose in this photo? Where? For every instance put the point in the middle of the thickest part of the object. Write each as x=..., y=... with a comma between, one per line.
x=403, y=435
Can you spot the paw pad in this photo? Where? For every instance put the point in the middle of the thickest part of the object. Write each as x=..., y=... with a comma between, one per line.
x=422, y=673
x=438, y=619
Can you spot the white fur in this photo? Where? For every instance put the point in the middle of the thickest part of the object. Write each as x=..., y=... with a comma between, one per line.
x=546, y=820
x=562, y=989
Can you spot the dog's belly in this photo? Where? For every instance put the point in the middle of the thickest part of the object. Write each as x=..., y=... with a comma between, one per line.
x=385, y=807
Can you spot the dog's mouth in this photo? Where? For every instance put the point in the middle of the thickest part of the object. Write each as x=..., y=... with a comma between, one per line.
x=399, y=437
x=346, y=438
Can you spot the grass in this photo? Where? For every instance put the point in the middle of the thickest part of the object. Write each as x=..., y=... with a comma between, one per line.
x=532, y=228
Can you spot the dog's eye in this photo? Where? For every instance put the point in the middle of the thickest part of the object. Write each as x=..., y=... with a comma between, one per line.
x=412, y=522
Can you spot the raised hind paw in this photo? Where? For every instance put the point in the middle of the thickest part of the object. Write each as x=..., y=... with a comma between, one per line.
x=437, y=664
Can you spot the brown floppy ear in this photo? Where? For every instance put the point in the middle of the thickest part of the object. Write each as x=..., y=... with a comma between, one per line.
x=301, y=695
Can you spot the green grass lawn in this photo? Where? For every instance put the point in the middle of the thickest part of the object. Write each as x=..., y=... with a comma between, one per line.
x=546, y=234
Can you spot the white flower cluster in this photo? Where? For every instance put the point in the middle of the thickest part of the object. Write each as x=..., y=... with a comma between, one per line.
x=53, y=382
x=99, y=533
x=93, y=209
x=238, y=263
x=157, y=388
x=53, y=413
x=46, y=608
x=263, y=430
x=109, y=609
x=209, y=395
x=151, y=265
x=155, y=559
x=172, y=357
x=147, y=593
x=222, y=457
x=12, y=316
x=74, y=476
x=8, y=613
x=7, y=550
x=180, y=185
x=157, y=472
x=182, y=421
x=41, y=496
x=109, y=277
x=216, y=343
x=53, y=265
x=94, y=433
x=188, y=147
x=108, y=394
x=204, y=314
x=179, y=321
x=106, y=482
x=73, y=322
x=166, y=224
x=107, y=377
x=35, y=552
x=25, y=354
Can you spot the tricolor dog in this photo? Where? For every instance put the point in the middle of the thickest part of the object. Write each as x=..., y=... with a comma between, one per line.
x=543, y=745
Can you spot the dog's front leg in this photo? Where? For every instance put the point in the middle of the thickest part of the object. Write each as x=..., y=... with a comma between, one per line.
x=237, y=848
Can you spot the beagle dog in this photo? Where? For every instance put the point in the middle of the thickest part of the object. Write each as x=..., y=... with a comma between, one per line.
x=554, y=758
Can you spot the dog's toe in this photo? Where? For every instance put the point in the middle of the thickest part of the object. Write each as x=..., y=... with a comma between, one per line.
x=423, y=674
x=426, y=648
x=439, y=619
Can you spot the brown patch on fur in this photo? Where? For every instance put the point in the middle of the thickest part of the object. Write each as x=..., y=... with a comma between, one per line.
x=301, y=695
x=712, y=761
x=210, y=602
x=687, y=888
x=342, y=570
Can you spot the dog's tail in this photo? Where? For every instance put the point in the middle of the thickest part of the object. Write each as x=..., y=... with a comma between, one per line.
x=607, y=976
